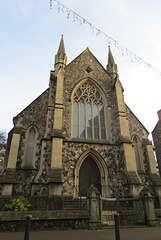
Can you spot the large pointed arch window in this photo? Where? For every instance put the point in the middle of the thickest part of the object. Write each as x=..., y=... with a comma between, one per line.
x=88, y=113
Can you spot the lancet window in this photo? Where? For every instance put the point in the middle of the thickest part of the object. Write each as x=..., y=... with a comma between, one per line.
x=30, y=148
x=138, y=153
x=88, y=113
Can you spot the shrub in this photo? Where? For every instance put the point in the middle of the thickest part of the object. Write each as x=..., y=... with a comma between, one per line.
x=18, y=204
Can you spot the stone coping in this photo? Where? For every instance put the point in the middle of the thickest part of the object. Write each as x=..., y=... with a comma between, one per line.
x=88, y=141
x=44, y=215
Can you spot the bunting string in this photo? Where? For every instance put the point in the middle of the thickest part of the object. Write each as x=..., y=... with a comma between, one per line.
x=74, y=17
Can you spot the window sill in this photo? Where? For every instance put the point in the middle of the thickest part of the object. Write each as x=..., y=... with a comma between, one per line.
x=89, y=141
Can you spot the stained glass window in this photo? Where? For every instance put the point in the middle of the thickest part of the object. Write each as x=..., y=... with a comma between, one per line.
x=75, y=120
x=88, y=113
x=96, y=122
x=89, y=120
x=82, y=120
x=102, y=121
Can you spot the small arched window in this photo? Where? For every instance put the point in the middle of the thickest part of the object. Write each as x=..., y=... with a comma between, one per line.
x=30, y=148
x=88, y=113
x=138, y=153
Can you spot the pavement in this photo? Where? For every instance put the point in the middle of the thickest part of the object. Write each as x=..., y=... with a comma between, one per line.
x=144, y=233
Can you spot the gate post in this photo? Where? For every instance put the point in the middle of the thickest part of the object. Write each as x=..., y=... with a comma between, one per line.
x=149, y=208
x=93, y=199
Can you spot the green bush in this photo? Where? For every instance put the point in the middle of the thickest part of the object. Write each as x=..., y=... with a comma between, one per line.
x=94, y=226
x=18, y=204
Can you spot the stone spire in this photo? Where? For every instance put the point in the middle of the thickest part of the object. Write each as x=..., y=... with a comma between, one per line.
x=111, y=66
x=60, y=57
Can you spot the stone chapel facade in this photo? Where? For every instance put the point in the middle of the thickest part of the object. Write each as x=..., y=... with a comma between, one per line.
x=79, y=132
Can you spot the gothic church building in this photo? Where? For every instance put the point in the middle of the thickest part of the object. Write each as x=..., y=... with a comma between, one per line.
x=79, y=132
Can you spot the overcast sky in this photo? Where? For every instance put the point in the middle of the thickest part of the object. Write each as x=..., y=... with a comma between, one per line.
x=29, y=38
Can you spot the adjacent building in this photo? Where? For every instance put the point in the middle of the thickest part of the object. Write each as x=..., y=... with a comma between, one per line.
x=156, y=133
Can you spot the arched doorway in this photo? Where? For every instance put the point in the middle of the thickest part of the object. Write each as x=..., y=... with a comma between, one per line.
x=89, y=175
x=91, y=159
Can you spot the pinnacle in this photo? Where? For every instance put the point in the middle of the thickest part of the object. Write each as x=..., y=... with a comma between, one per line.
x=61, y=46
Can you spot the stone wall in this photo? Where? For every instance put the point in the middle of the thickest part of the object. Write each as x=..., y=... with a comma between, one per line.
x=34, y=114
x=112, y=155
x=135, y=126
x=44, y=220
x=25, y=178
x=131, y=212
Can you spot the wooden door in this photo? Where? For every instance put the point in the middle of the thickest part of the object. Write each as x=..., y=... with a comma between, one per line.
x=89, y=175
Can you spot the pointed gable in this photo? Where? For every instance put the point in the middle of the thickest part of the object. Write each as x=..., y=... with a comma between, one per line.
x=86, y=66
x=87, y=58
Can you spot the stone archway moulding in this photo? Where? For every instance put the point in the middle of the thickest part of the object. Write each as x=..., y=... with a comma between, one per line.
x=102, y=168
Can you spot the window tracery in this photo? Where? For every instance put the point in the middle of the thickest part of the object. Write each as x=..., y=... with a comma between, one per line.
x=88, y=113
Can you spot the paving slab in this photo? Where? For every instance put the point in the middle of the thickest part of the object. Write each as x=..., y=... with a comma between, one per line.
x=105, y=234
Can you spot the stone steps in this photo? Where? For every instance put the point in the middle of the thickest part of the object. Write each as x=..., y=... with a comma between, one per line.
x=75, y=204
